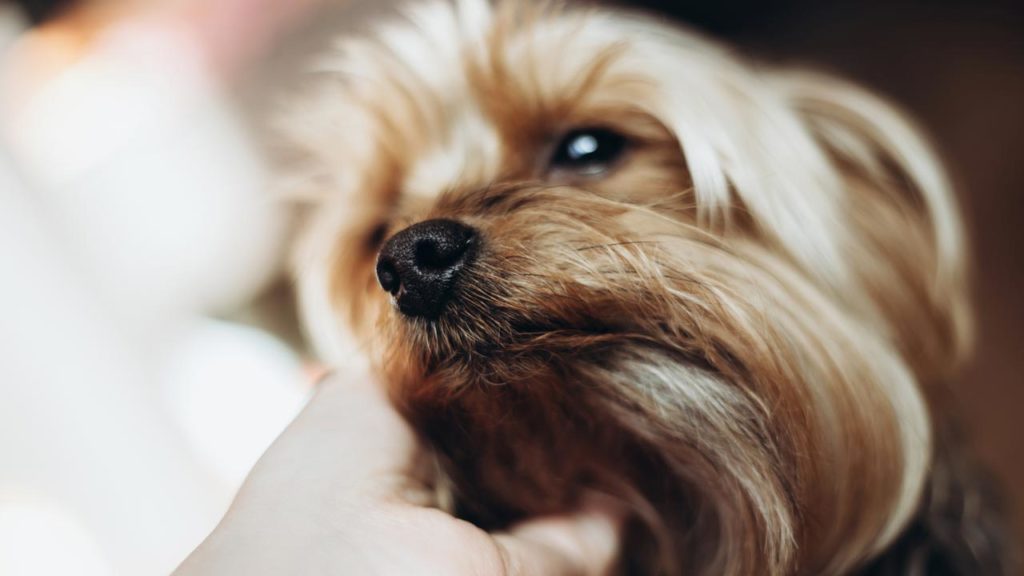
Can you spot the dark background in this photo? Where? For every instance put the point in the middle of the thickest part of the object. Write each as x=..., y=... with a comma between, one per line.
x=41, y=10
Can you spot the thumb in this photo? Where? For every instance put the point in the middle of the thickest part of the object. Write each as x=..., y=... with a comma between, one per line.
x=584, y=543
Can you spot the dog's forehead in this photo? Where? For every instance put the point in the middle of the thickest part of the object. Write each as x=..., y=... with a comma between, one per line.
x=467, y=152
x=479, y=90
x=447, y=139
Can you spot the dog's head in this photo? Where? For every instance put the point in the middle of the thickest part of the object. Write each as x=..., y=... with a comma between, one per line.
x=590, y=248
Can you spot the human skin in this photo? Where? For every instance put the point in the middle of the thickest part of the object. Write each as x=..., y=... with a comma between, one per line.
x=341, y=492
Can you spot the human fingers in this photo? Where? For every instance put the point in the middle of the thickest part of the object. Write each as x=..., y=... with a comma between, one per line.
x=584, y=543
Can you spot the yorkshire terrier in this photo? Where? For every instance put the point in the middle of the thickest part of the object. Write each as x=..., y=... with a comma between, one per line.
x=590, y=250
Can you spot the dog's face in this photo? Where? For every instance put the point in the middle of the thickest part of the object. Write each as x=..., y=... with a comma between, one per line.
x=593, y=250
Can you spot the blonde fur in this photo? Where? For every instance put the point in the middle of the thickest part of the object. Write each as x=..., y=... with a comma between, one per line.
x=733, y=329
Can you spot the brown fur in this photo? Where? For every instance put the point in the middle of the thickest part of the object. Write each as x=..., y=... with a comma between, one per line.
x=666, y=332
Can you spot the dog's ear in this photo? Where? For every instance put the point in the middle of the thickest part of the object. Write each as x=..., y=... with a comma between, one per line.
x=908, y=249
x=866, y=134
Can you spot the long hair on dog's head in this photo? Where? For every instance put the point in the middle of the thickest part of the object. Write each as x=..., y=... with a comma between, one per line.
x=715, y=290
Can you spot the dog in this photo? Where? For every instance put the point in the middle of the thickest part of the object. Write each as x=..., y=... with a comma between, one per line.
x=593, y=251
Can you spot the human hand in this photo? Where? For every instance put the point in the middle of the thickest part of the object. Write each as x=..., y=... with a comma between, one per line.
x=341, y=492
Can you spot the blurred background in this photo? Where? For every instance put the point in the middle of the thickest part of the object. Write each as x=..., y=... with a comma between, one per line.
x=144, y=363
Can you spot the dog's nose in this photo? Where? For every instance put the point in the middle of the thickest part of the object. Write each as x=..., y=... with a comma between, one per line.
x=420, y=265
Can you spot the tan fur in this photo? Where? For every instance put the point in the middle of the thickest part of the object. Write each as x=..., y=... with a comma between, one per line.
x=730, y=330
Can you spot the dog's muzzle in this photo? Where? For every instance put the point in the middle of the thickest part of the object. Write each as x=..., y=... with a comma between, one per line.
x=420, y=265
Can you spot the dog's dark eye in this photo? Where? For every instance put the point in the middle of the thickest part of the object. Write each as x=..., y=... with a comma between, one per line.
x=588, y=151
x=375, y=237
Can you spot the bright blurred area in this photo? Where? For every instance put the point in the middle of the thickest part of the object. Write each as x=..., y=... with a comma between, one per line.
x=148, y=353
x=147, y=350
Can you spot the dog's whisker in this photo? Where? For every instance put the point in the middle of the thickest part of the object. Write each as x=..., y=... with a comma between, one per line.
x=617, y=244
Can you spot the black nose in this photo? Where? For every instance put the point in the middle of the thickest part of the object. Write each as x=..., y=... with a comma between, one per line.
x=420, y=265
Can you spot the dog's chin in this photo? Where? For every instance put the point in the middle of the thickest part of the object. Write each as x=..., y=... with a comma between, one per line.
x=477, y=390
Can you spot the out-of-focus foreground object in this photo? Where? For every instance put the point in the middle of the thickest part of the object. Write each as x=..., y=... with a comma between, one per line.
x=135, y=213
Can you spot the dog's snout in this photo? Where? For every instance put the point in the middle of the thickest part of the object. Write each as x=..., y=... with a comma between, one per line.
x=420, y=265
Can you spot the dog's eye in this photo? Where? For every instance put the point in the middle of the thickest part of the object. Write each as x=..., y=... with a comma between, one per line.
x=588, y=151
x=375, y=237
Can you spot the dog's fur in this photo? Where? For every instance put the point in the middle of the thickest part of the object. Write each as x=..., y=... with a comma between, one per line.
x=736, y=329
